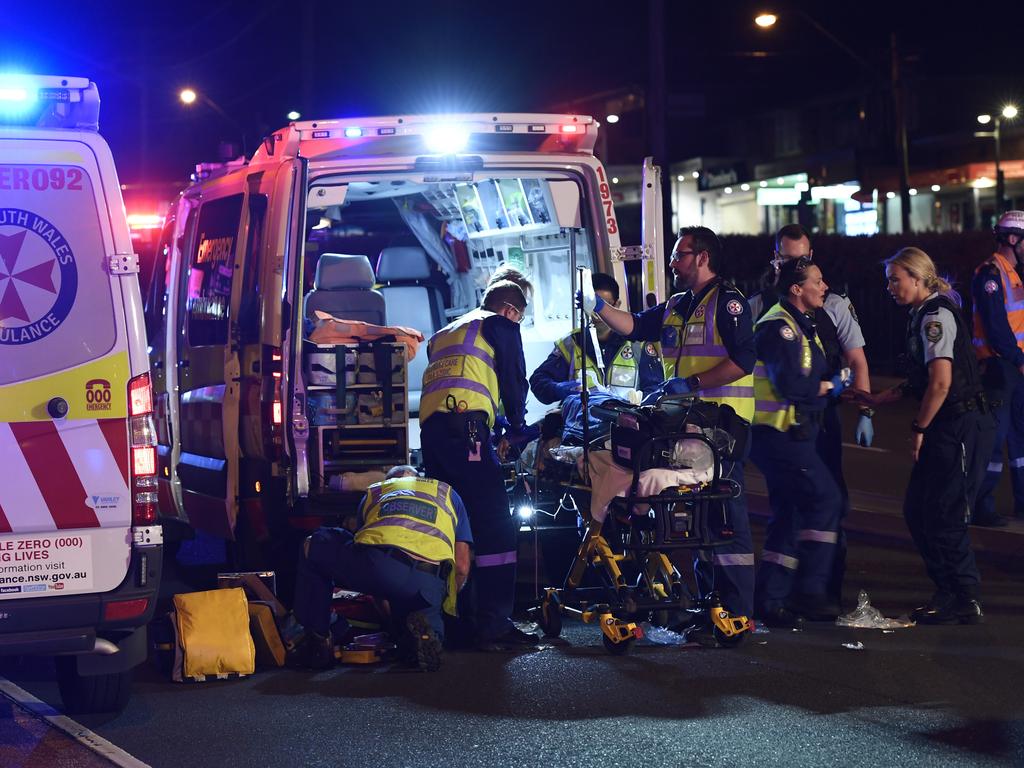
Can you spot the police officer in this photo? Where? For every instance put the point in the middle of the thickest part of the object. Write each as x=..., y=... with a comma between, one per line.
x=998, y=293
x=475, y=366
x=792, y=382
x=707, y=348
x=628, y=366
x=952, y=422
x=841, y=337
x=412, y=548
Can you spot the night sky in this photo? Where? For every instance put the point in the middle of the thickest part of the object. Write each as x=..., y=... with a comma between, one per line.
x=442, y=56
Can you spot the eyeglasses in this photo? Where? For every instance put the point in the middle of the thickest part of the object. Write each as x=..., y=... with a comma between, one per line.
x=679, y=255
x=518, y=311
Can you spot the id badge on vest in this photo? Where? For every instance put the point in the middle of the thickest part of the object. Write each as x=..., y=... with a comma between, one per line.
x=694, y=334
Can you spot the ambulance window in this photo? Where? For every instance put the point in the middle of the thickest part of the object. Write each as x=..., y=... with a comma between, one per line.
x=249, y=311
x=208, y=292
x=56, y=304
x=159, y=286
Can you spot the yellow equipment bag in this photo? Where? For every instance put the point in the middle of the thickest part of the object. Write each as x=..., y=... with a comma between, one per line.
x=269, y=648
x=212, y=633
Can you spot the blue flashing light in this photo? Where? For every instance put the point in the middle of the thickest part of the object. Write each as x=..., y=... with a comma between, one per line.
x=18, y=97
x=353, y=132
x=13, y=93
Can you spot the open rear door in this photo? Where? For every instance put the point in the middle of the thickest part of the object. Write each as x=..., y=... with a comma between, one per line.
x=652, y=222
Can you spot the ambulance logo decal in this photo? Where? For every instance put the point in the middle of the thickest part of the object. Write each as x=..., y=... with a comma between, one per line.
x=734, y=307
x=38, y=277
x=991, y=286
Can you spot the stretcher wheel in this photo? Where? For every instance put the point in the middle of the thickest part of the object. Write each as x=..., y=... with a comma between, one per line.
x=728, y=641
x=617, y=649
x=550, y=617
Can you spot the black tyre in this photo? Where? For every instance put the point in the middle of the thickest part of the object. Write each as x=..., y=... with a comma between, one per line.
x=85, y=694
x=728, y=641
x=550, y=618
x=617, y=649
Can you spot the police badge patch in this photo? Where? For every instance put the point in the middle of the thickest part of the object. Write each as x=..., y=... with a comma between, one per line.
x=734, y=307
x=853, y=314
x=991, y=286
x=787, y=333
x=933, y=331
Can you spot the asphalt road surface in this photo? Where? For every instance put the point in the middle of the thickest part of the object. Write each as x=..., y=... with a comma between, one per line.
x=917, y=696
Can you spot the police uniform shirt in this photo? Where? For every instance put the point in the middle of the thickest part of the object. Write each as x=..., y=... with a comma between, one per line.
x=782, y=353
x=990, y=303
x=509, y=365
x=463, y=532
x=839, y=309
x=736, y=330
x=938, y=332
x=555, y=369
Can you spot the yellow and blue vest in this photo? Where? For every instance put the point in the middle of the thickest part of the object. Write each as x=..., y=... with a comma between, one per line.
x=461, y=366
x=620, y=375
x=414, y=514
x=692, y=347
x=770, y=409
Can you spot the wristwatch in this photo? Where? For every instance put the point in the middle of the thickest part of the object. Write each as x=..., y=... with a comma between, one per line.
x=869, y=412
x=693, y=382
x=916, y=428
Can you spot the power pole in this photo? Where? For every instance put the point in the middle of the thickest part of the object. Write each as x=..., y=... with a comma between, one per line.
x=900, y=117
x=656, y=102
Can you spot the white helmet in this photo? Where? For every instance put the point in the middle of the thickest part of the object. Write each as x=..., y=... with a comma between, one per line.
x=1010, y=223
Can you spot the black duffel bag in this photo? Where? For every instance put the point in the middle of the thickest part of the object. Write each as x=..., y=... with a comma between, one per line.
x=635, y=427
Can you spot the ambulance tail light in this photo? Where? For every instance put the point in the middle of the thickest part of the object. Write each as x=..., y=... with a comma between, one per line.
x=142, y=430
x=571, y=129
x=274, y=399
x=120, y=610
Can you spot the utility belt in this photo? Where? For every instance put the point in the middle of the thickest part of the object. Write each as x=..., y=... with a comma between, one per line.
x=978, y=402
x=434, y=569
x=471, y=426
x=807, y=423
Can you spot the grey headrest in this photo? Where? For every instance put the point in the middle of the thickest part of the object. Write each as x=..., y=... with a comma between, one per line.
x=337, y=270
x=403, y=262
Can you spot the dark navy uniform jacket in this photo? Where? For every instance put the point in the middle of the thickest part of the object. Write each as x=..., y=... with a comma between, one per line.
x=509, y=365
x=782, y=356
x=992, y=308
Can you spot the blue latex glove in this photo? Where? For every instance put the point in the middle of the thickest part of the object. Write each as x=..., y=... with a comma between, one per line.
x=566, y=388
x=865, y=433
x=677, y=386
x=597, y=307
x=840, y=381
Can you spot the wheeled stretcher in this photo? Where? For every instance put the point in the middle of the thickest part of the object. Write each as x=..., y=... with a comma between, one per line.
x=657, y=490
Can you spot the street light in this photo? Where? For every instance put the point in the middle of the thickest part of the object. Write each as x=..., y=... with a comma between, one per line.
x=1009, y=112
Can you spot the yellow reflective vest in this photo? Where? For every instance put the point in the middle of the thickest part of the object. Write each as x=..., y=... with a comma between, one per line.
x=770, y=408
x=692, y=347
x=414, y=514
x=461, y=367
x=620, y=374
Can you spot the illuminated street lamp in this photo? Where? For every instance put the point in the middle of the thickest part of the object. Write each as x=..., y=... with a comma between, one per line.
x=1009, y=112
x=765, y=20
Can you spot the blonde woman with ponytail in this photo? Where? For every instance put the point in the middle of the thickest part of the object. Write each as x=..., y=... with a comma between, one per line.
x=950, y=438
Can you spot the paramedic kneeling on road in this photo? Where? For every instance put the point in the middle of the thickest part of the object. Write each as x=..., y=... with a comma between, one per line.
x=475, y=363
x=707, y=347
x=412, y=548
x=950, y=438
x=805, y=500
x=628, y=366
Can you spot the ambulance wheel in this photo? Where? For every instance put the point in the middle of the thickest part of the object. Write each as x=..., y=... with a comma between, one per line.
x=550, y=618
x=617, y=649
x=84, y=694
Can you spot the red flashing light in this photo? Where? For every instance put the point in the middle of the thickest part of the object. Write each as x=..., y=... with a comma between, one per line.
x=570, y=129
x=278, y=412
x=138, y=221
x=125, y=609
x=140, y=396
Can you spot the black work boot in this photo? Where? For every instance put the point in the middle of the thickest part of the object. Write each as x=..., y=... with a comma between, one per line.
x=935, y=611
x=780, y=617
x=814, y=607
x=425, y=641
x=968, y=610
x=313, y=651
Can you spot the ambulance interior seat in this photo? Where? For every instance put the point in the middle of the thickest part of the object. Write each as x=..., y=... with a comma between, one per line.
x=403, y=272
x=343, y=286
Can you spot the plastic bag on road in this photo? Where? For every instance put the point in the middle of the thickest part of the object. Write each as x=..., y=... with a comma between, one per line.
x=662, y=635
x=866, y=616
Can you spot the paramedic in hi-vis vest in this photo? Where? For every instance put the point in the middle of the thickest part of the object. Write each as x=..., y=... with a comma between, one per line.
x=792, y=385
x=412, y=548
x=628, y=366
x=998, y=293
x=707, y=348
x=476, y=364
x=839, y=332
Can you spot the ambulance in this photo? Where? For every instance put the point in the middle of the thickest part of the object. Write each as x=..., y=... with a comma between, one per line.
x=398, y=220
x=80, y=539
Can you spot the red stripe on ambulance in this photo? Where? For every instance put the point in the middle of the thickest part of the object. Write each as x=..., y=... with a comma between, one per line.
x=55, y=474
x=117, y=438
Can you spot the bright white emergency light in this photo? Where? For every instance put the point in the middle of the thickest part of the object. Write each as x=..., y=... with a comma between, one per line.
x=447, y=139
x=353, y=132
x=525, y=512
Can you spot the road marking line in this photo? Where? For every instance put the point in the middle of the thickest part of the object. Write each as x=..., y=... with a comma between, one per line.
x=866, y=448
x=75, y=730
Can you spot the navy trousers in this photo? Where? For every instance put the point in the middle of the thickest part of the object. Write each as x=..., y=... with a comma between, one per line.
x=830, y=446
x=446, y=457
x=806, y=506
x=942, y=487
x=1009, y=432
x=335, y=559
x=730, y=569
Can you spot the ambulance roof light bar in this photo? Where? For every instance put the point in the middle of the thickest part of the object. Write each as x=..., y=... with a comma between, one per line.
x=448, y=134
x=49, y=101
